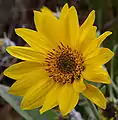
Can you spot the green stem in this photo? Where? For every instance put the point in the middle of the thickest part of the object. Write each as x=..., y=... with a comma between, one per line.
x=110, y=91
x=112, y=77
x=112, y=74
x=112, y=62
x=115, y=87
x=94, y=110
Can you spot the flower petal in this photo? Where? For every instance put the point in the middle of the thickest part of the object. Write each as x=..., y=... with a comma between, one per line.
x=103, y=57
x=40, y=16
x=102, y=37
x=38, y=20
x=22, y=69
x=69, y=26
x=79, y=85
x=45, y=9
x=51, y=98
x=95, y=95
x=68, y=99
x=64, y=31
x=36, y=93
x=97, y=74
x=89, y=44
x=35, y=39
x=25, y=53
x=27, y=75
x=48, y=25
x=89, y=21
x=73, y=24
x=86, y=27
x=20, y=87
x=35, y=105
x=64, y=11
x=93, y=53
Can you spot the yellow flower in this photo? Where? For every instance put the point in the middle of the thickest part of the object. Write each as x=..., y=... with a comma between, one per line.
x=61, y=56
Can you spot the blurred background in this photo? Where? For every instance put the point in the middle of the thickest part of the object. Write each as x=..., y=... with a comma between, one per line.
x=19, y=13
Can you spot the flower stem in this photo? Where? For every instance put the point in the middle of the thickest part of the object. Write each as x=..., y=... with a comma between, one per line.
x=112, y=74
x=94, y=110
x=115, y=87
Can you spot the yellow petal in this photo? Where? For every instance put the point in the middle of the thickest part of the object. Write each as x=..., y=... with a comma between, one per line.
x=33, y=96
x=26, y=77
x=89, y=44
x=35, y=105
x=86, y=27
x=51, y=98
x=89, y=21
x=92, y=54
x=68, y=99
x=40, y=16
x=102, y=37
x=97, y=74
x=79, y=85
x=20, y=87
x=103, y=57
x=35, y=39
x=64, y=31
x=73, y=24
x=20, y=70
x=45, y=9
x=38, y=20
x=64, y=11
x=25, y=53
x=47, y=24
x=95, y=95
x=63, y=25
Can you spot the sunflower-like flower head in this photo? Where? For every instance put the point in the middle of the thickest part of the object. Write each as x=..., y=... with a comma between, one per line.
x=61, y=56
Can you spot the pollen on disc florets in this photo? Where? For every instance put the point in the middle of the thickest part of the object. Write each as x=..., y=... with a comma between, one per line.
x=64, y=64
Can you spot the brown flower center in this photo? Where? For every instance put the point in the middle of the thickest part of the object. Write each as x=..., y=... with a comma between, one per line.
x=64, y=64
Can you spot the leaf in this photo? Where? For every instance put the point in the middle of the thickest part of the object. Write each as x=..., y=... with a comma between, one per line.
x=14, y=101
x=8, y=98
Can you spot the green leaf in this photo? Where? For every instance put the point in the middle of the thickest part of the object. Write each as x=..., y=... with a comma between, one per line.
x=14, y=101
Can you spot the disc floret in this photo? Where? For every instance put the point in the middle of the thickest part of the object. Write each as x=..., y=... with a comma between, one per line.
x=64, y=64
